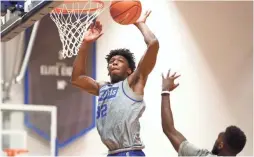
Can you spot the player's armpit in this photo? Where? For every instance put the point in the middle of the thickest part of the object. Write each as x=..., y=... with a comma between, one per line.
x=175, y=137
x=88, y=84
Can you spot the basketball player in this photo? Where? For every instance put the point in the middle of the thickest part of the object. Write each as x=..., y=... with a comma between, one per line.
x=120, y=103
x=229, y=143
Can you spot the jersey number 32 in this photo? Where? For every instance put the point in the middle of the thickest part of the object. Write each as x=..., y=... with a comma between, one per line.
x=102, y=111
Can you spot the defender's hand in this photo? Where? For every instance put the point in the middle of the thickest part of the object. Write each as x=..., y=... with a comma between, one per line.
x=143, y=17
x=93, y=32
x=168, y=83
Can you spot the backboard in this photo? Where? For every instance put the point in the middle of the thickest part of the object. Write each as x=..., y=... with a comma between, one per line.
x=16, y=20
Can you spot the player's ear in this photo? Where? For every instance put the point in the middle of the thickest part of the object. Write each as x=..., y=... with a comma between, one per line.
x=221, y=145
x=129, y=71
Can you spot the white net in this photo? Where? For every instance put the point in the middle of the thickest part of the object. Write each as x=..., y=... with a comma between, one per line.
x=73, y=19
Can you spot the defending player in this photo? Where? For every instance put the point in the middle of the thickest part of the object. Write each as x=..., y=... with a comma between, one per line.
x=229, y=142
x=120, y=102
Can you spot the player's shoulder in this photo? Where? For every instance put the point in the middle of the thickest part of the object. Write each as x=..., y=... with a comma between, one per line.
x=102, y=83
x=188, y=149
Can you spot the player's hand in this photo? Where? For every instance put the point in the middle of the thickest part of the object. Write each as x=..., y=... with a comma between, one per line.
x=168, y=82
x=143, y=17
x=93, y=32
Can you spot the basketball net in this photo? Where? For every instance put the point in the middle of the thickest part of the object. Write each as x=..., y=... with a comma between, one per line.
x=73, y=19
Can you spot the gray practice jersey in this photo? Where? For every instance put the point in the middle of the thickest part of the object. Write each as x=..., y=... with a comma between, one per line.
x=118, y=113
x=188, y=149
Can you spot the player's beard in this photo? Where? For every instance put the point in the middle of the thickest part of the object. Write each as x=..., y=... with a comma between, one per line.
x=116, y=78
x=215, y=150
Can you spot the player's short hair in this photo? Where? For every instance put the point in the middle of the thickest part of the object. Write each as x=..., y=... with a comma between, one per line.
x=235, y=139
x=126, y=53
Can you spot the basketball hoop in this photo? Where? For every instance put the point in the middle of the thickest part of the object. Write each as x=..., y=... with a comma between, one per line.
x=14, y=152
x=72, y=19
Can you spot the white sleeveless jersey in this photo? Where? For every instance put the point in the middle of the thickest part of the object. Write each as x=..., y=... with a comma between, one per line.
x=117, y=120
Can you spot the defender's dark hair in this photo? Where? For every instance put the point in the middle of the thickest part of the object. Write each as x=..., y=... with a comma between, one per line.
x=235, y=139
x=126, y=53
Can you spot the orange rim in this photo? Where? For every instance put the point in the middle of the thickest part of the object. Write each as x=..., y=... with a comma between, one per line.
x=59, y=10
x=14, y=152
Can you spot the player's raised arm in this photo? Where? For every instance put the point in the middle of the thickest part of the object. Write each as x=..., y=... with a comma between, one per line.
x=79, y=74
x=147, y=62
x=175, y=137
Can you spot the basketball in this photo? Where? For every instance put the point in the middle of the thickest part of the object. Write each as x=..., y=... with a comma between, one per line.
x=125, y=12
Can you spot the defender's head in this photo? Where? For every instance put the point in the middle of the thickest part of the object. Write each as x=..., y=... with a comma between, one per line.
x=229, y=143
x=121, y=63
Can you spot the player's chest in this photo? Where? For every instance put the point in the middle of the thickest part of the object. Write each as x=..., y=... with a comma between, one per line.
x=110, y=102
x=109, y=94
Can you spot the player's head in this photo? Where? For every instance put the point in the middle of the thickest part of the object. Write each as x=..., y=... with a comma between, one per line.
x=121, y=63
x=231, y=142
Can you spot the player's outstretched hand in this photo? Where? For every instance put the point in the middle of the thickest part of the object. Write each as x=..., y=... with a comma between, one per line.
x=143, y=17
x=93, y=32
x=168, y=83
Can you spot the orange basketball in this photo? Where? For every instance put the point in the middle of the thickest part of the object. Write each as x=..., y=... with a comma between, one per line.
x=125, y=12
